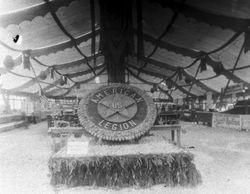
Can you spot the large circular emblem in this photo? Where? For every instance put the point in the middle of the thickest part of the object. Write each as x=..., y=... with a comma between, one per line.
x=117, y=112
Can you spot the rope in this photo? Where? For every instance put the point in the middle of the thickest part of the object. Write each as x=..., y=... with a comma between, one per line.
x=233, y=38
x=239, y=68
x=58, y=22
x=39, y=62
x=35, y=79
x=168, y=27
x=87, y=80
x=178, y=87
x=196, y=73
x=208, y=78
x=175, y=82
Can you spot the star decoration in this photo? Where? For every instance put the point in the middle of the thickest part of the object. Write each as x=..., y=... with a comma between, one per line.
x=117, y=106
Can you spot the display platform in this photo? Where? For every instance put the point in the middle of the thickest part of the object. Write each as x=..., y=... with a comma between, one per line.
x=123, y=165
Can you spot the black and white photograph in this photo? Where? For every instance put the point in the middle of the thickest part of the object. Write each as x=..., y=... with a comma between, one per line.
x=124, y=96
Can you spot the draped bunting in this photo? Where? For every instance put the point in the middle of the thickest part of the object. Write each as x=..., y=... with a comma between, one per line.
x=203, y=58
x=187, y=80
x=180, y=72
x=93, y=77
x=52, y=10
x=158, y=75
x=203, y=62
x=32, y=81
x=217, y=67
x=84, y=72
x=79, y=82
x=26, y=59
x=51, y=85
x=169, y=84
x=52, y=71
x=154, y=88
x=62, y=81
x=175, y=69
x=198, y=54
x=43, y=75
x=65, y=80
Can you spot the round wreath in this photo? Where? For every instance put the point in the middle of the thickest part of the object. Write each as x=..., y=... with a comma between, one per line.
x=133, y=133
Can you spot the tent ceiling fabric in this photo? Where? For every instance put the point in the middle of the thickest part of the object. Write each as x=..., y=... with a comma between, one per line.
x=54, y=53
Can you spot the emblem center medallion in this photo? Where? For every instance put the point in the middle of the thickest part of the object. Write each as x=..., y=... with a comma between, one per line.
x=117, y=108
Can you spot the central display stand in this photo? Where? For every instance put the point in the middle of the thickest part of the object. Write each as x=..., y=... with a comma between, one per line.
x=120, y=152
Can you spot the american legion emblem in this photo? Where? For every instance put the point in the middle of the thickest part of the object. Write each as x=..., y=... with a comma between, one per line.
x=117, y=112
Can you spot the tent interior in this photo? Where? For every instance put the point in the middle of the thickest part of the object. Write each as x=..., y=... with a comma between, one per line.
x=187, y=61
x=177, y=50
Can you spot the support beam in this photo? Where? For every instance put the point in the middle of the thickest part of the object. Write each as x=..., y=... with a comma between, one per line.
x=209, y=101
x=116, y=36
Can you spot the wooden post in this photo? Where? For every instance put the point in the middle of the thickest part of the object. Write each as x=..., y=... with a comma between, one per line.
x=116, y=39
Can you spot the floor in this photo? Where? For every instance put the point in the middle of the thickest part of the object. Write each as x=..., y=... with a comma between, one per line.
x=221, y=155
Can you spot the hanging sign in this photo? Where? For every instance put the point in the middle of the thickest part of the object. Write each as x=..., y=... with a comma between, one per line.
x=117, y=112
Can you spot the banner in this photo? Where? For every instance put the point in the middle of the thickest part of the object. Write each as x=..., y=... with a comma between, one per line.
x=230, y=121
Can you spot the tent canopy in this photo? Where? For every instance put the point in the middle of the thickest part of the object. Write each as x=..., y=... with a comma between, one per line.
x=185, y=49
